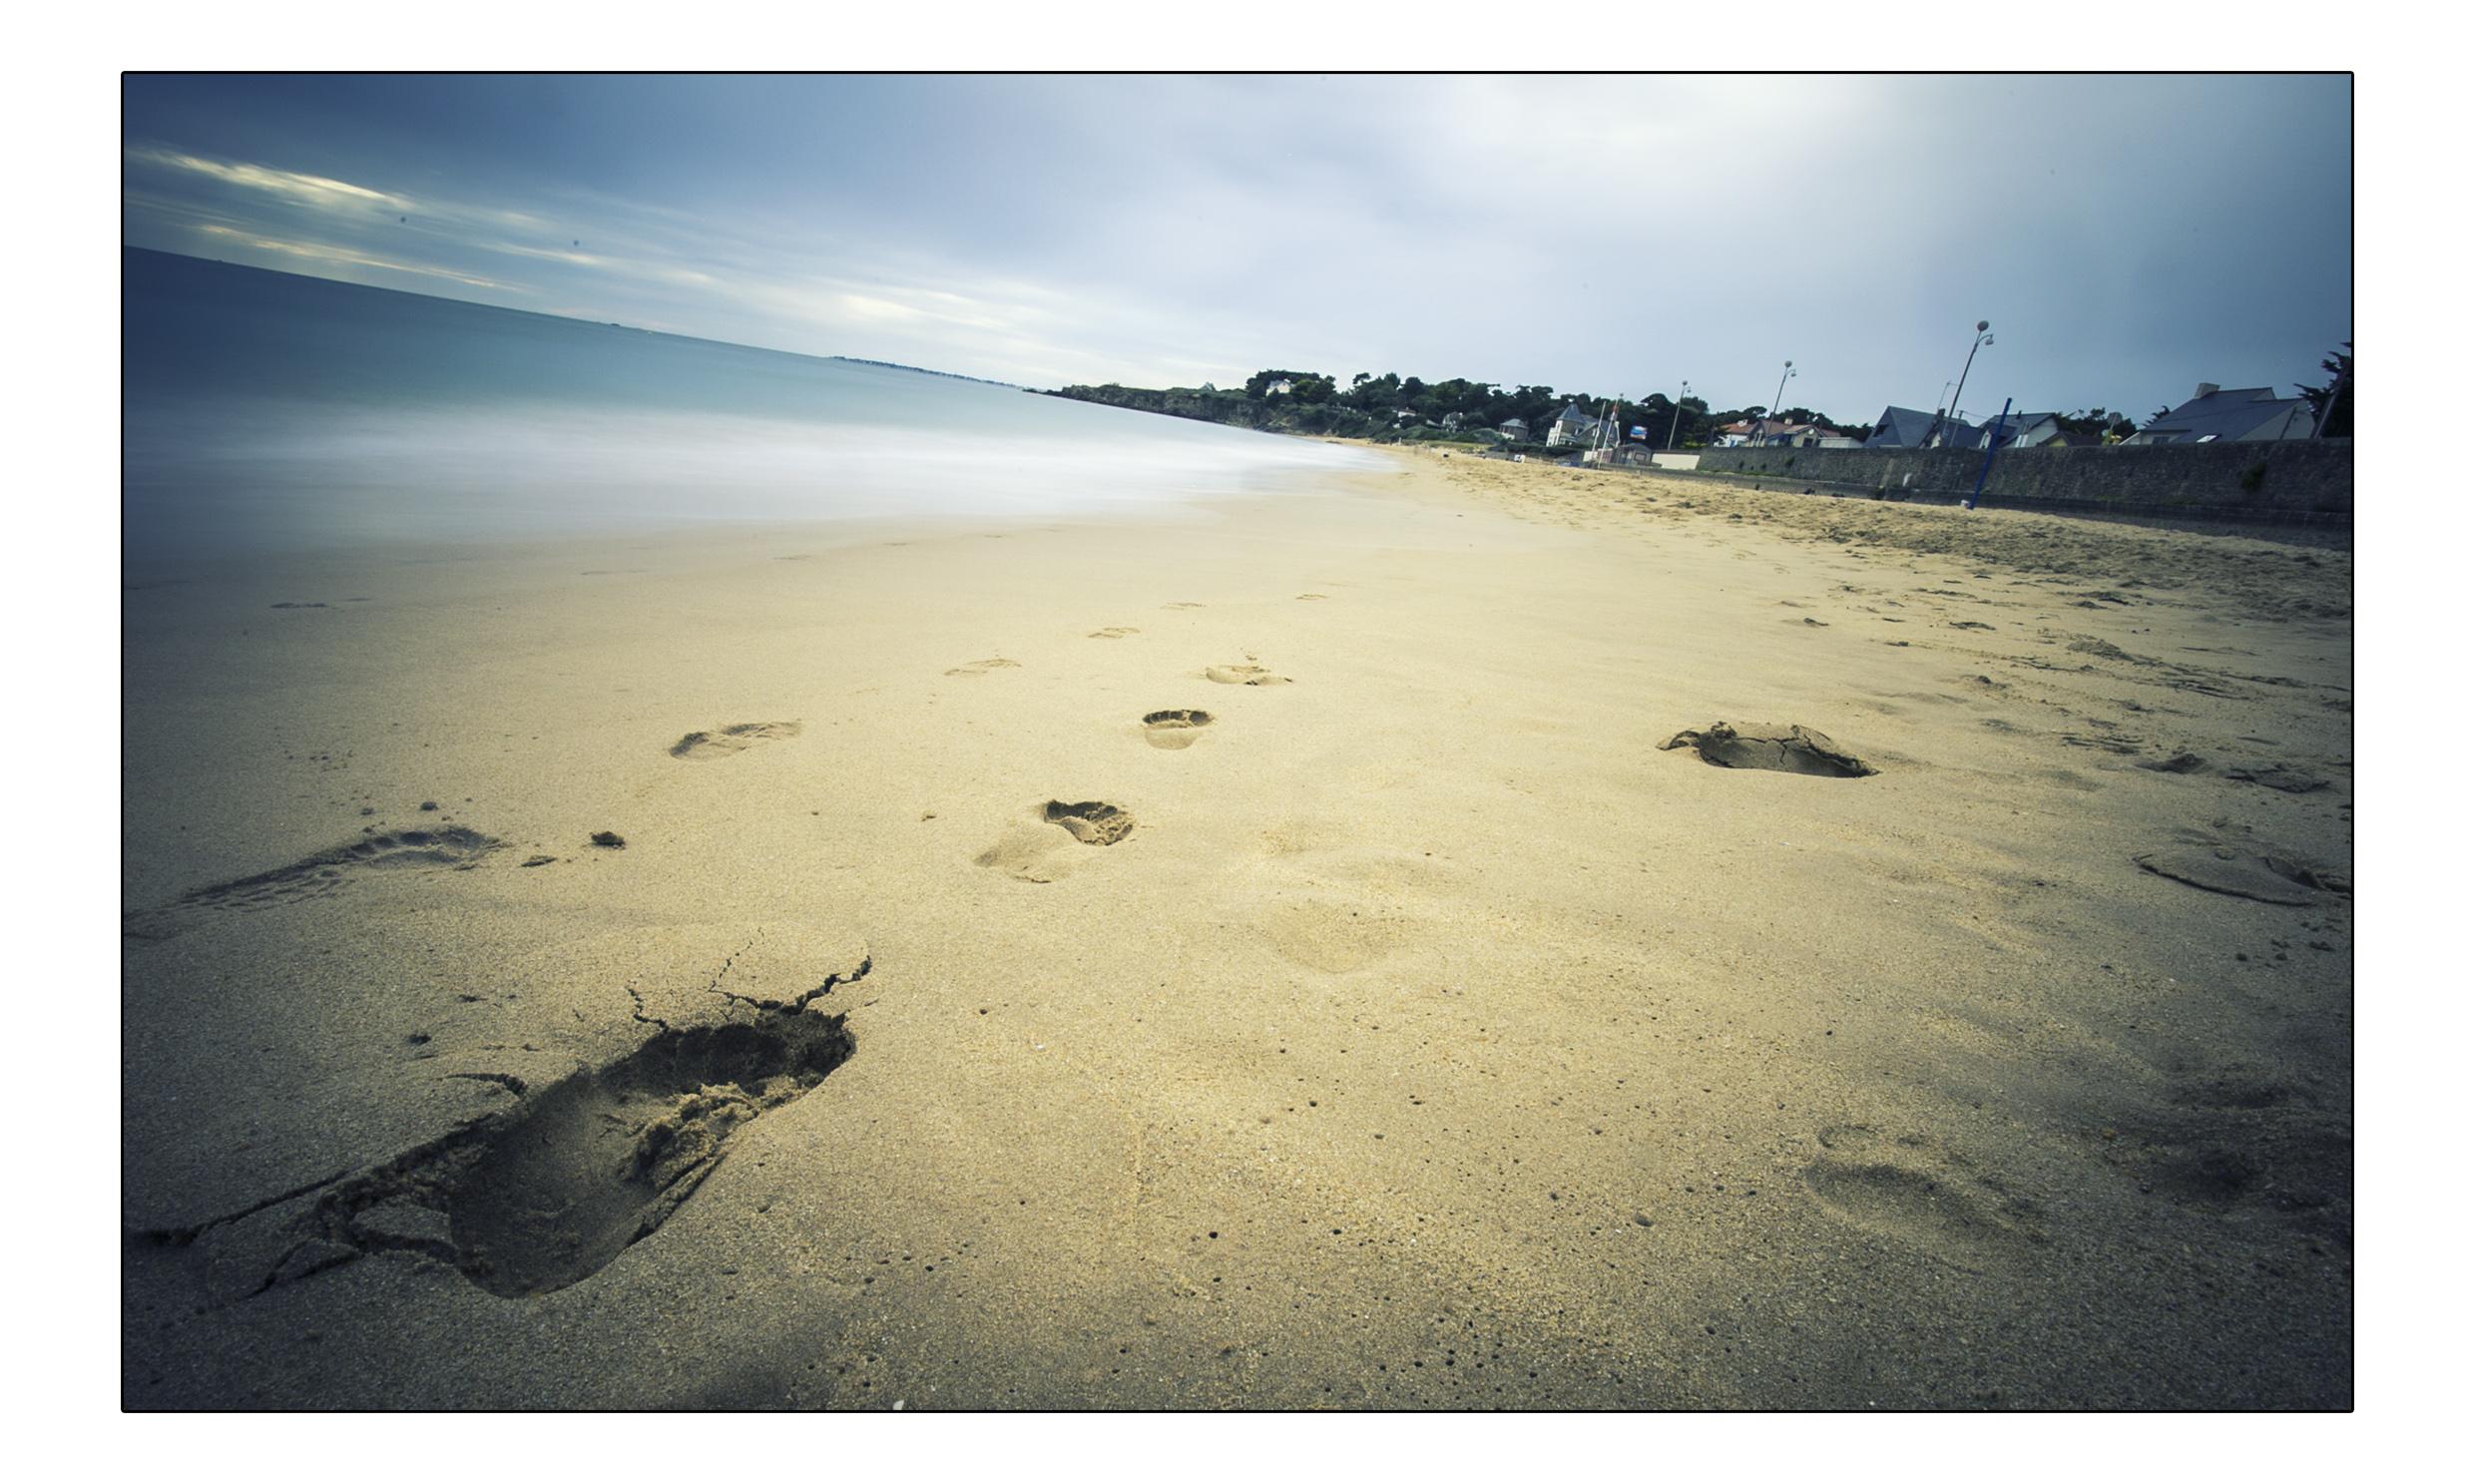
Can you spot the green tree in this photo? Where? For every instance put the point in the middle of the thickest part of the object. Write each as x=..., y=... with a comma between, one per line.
x=2332, y=406
x=1260, y=383
x=1375, y=392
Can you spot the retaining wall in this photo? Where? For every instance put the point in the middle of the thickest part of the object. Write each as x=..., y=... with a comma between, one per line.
x=2309, y=479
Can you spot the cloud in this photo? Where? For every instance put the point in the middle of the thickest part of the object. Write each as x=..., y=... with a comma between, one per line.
x=294, y=186
x=330, y=255
x=2128, y=234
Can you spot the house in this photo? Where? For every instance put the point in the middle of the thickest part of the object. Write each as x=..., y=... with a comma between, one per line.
x=1571, y=425
x=1514, y=428
x=1761, y=431
x=1402, y=415
x=2244, y=415
x=1906, y=427
x=2043, y=430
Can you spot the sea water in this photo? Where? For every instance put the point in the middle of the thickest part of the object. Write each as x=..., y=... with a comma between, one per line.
x=266, y=411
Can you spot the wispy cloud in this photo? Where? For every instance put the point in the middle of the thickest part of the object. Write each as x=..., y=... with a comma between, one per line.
x=330, y=255
x=291, y=185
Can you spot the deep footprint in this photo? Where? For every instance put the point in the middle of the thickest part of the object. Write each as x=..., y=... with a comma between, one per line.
x=1173, y=730
x=698, y=746
x=548, y=1195
x=1798, y=750
x=450, y=848
x=1092, y=823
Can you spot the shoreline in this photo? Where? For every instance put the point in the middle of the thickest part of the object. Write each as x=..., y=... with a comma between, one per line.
x=1432, y=1038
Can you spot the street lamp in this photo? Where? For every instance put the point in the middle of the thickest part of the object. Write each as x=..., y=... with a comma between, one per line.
x=1680, y=412
x=1982, y=339
x=1786, y=370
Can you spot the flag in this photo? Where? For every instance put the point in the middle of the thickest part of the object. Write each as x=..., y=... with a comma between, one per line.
x=1642, y=433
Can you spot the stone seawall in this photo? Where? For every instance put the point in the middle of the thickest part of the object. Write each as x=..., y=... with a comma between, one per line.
x=2309, y=479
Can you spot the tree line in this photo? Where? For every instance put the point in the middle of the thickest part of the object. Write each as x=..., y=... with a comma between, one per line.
x=1692, y=420
x=1390, y=407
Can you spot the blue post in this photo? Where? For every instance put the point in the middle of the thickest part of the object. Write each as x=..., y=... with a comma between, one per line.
x=1992, y=442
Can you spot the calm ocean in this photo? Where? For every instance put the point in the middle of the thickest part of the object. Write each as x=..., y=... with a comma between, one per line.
x=267, y=412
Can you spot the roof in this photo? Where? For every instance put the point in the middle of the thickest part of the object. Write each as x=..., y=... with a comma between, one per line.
x=2232, y=413
x=1572, y=413
x=1906, y=427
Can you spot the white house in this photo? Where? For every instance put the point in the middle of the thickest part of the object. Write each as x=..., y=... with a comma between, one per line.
x=1571, y=425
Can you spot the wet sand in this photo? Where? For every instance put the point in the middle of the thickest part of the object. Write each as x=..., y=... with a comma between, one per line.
x=1268, y=960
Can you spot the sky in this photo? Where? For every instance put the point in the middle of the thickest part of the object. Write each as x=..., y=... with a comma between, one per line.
x=2127, y=237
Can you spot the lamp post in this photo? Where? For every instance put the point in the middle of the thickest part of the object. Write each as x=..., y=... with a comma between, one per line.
x=1680, y=412
x=1982, y=339
x=1786, y=370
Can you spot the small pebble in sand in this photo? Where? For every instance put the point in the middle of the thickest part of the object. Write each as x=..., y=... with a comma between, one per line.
x=608, y=839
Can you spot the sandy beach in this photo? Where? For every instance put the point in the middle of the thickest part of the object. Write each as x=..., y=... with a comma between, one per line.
x=1265, y=957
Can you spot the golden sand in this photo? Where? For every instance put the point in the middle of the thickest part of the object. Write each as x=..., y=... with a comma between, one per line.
x=1265, y=960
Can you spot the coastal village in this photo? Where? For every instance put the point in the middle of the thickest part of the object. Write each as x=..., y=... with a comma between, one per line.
x=2235, y=454
x=1578, y=428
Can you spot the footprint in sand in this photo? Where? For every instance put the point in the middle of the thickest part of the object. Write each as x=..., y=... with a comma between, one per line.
x=1027, y=849
x=1114, y=633
x=1181, y=604
x=982, y=667
x=1312, y=597
x=1332, y=934
x=739, y=737
x=547, y=1193
x=1092, y=823
x=450, y=848
x=1243, y=674
x=1173, y=730
x=1798, y=750
x=1914, y=1191
x=2228, y=861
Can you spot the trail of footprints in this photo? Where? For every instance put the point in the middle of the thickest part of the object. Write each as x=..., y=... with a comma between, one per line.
x=546, y=1193
x=1025, y=851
